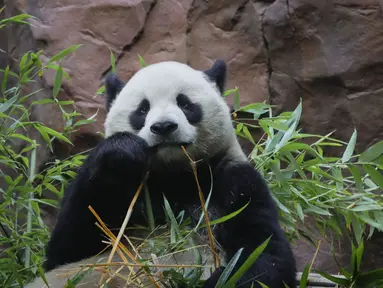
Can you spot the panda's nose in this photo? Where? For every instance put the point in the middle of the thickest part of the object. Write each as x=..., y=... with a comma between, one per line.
x=163, y=128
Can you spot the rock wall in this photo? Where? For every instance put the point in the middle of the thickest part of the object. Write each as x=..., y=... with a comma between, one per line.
x=328, y=52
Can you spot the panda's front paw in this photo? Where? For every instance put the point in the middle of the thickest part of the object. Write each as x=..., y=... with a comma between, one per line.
x=124, y=151
x=212, y=281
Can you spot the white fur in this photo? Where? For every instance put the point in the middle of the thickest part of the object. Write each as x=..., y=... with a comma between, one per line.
x=160, y=84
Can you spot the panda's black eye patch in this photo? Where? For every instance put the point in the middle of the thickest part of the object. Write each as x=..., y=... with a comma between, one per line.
x=183, y=101
x=144, y=106
x=192, y=111
x=137, y=118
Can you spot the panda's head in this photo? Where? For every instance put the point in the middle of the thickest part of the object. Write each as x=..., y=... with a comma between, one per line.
x=169, y=104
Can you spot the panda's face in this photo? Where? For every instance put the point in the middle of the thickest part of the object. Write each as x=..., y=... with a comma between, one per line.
x=169, y=104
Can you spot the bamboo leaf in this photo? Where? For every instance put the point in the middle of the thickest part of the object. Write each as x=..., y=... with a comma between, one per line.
x=337, y=280
x=142, y=62
x=370, y=278
x=16, y=19
x=304, y=277
x=228, y=92
x=8, y=104
x=372, y=153
x=255, y=108
x=58, y=80
x=225, y=218
x=113, y=61
x=63, y=53
x=229, y=268
x=350, y=148
x=52, y=132
x=56, y=67
x=357, y=177
x=236, y=100
x=5, y=79
x=248, y=263
x=375, y=175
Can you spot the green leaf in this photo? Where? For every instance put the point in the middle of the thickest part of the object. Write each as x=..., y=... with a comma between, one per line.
x=65, y=103
x=300, y=211
x=23, y=61
x=370, y=221
x=262, y=285
x=5, y=79
x=113, y=61
x=56, y=67
x=43, y=101
x=350, y=148
x=229, y=268
x=248, y=263
x=169, y=212
x=58, y=80
x=80, y=275
x=376, y=176
x=317, y=210
x=22, y=137
x=228, y=92
x=239, y=127
x=372, y=153
x=51, y=188
x=101, y=90
x=52, y=132
x=16, y=19
x=225, y=218
x=357, y=177
x=255, y=108
x=8, y=104
x=248, y=134
x=337, y=280
x=274, y=123
x=63, y=53
x=236, y=100
x=295, y=146
x=368, y=207
x=358, y=257
x=142, y=62
x=49, y=202
x=304, y=277
x=292, y=127
x=13, y=74
x=370, y=278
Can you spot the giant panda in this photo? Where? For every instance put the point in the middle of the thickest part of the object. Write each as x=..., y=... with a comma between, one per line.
x=163, y=107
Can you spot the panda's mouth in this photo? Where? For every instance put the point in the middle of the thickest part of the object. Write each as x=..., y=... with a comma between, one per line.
x=170, y=145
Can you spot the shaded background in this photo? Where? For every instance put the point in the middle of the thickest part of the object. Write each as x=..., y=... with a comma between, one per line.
x=329, y=53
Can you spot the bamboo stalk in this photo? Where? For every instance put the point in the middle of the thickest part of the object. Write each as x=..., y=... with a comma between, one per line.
x=202, y=199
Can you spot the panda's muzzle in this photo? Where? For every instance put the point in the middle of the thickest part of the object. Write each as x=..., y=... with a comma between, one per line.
x=163, y=128
x=165, y=138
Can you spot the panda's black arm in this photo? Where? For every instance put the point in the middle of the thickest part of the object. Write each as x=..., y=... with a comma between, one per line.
x=107, y=181
x=235, y=186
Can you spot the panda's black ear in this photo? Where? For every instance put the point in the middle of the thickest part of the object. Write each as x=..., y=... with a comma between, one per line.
x=217, y=74
x=113, y=86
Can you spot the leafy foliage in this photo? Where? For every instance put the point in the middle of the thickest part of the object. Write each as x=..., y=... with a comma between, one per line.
x=23, y=232
x=342, y=194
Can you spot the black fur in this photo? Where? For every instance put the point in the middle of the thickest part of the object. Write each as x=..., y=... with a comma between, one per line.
x=217, y=74
x=111, y=175
x=192, y=111
x=113, y=171
x=113, y=86
x=137, y=118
